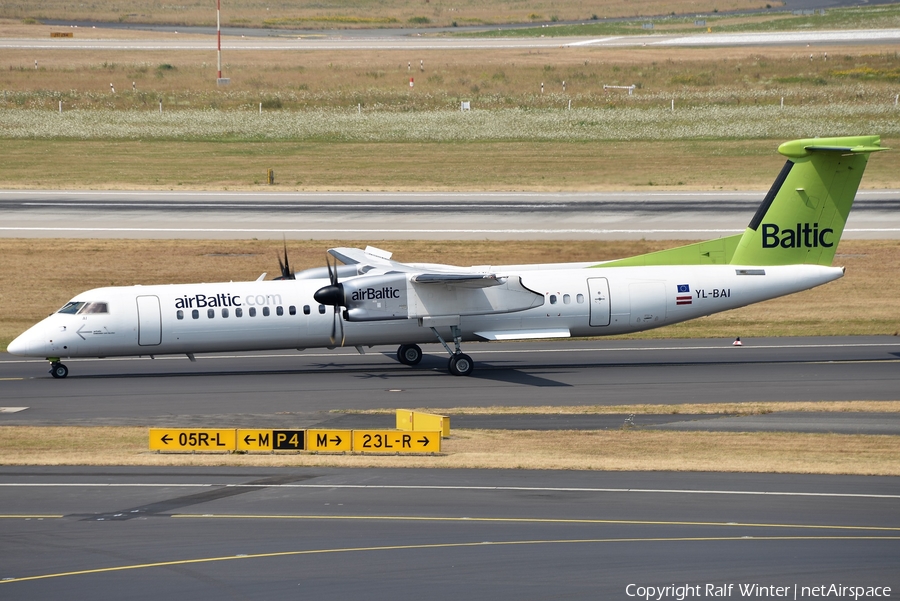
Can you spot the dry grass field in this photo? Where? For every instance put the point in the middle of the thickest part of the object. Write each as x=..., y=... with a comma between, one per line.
x=631, y=450
x=501, y=78
x=529, y=142
x=864, y=301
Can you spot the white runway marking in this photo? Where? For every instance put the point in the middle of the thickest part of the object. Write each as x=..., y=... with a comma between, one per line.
x=664, y=491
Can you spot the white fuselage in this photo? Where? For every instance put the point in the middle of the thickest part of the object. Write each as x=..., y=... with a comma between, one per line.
x=264, y=315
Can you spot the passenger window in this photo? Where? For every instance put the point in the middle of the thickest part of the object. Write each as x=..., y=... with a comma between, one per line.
x=210, y=313
x=279, y=311
x=306, y=309
x=238, y=312
x=292, y=310
x=252, y=311
x=224, y=312
x=552, y=299
x=579, y=299
x=195, y=314
x=567, y=299
x=266, y=311
x=322, y=309
x=71, y=308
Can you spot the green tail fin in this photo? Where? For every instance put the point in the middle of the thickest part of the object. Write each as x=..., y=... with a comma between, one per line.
x=800, y=220
x=803, y=215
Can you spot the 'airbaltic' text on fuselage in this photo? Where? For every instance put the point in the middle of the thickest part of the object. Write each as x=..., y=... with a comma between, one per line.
x=375, y=294
x=200, y=301
x=805, y=236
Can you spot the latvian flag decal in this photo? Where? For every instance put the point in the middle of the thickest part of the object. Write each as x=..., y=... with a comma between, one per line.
x=684, y=295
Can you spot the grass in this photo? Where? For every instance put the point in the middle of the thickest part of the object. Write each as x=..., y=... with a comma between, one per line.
x=378, y=80
x=619, y=450
x=625, y=124
x=864, y=302
x=406, y=166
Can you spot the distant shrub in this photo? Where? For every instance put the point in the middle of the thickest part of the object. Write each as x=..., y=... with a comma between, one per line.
x=419, y=20
x=693, y=79
x=273, y=102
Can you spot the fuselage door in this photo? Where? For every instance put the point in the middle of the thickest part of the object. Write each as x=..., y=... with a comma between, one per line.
x=598, y=288
x=149, y=321
x=648, y=303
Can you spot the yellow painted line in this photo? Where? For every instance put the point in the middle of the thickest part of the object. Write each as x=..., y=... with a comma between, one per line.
x=30, y=517
x=401, y=518
x=183, y=562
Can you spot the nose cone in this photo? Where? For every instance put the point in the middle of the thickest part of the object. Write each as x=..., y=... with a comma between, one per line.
x=19, y=346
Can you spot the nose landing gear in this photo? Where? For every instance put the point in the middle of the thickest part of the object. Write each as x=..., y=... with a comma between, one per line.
x=57, y=369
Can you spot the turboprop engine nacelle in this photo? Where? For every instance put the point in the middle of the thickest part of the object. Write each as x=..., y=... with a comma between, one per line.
x=376, y=298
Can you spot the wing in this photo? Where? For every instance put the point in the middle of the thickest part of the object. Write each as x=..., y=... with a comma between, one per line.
x=388, y=289
x=375, y=260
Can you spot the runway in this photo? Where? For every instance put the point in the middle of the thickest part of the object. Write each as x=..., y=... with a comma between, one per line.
x=206, y=533
x=320, y=42
x=378, y=215
x=301, y=389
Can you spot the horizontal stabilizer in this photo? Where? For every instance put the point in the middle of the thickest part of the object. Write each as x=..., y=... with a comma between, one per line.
x=797, y=149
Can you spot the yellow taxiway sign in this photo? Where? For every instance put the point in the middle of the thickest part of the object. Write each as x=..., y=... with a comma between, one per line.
x=390, y=441
x=168, y=439
x=329, y=441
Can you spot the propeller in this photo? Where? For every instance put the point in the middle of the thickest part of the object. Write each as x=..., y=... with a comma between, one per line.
x=285, y=267
x=333, y=295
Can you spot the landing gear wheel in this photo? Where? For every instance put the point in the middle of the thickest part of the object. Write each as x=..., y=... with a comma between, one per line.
x=58, y=370
x=461, y=365
x=409, y=354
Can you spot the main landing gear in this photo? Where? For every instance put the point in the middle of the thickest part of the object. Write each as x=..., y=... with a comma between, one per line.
x=460, y=364
x=57, y=369
x=409, y=354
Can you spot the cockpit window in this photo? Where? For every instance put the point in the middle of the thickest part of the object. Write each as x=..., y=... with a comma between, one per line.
x=71, y=308
x=83, y=308
x=94, y=307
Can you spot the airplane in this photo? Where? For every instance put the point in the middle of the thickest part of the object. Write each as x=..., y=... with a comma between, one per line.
x=372, y=300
